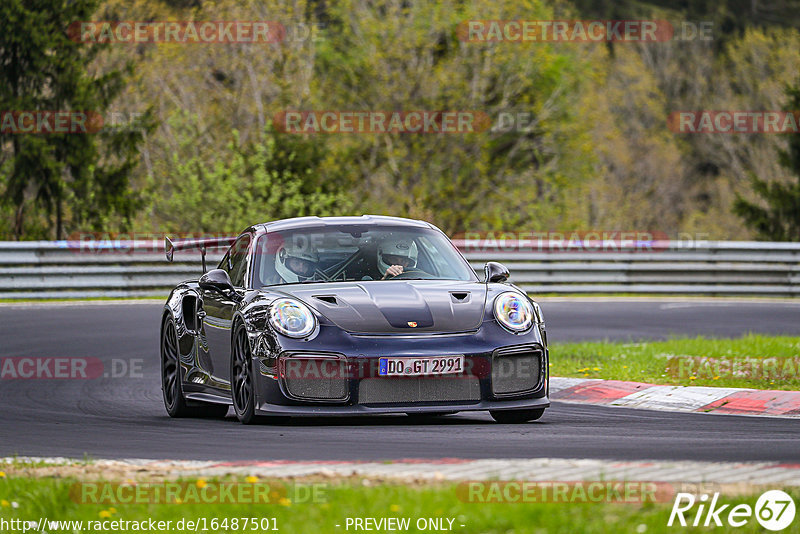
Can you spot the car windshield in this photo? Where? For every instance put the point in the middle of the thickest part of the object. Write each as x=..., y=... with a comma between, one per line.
x=357, y=253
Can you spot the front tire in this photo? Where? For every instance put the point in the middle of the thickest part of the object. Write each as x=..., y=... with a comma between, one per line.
x=514, y=417
x=242, y=391
x=172, y=379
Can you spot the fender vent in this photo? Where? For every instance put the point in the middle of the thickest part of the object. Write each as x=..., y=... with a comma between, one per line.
x=189, y=312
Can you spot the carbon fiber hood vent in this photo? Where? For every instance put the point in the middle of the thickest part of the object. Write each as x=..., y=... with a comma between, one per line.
x=397, y=306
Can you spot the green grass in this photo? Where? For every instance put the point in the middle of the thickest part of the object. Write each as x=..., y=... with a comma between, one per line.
x=51, y=498
x=752, y=361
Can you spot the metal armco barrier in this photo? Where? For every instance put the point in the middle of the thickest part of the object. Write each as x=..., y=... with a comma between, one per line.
x=655, y=267
x=60, y=269
x=91, y=269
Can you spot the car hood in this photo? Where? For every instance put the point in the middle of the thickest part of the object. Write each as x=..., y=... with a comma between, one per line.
x=396, y=306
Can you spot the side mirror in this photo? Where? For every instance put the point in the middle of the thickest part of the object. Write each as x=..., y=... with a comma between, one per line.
x=216, y=279
x=495, y=272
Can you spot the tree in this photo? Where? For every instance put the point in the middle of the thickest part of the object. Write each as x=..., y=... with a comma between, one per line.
x=81, y=175
x=401, y=56
x=780, y=219
x=256, y=182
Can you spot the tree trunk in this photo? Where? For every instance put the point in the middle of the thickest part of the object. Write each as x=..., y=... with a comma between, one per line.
x=59, y=219
x=19, y=216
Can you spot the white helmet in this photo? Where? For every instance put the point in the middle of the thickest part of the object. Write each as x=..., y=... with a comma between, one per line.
x=397, y=251
x=296, y=263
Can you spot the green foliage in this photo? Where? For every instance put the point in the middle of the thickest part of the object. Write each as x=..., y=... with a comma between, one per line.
x=256, y=182
x=779, y=220
x=84, y=177
x=597, y=153
x=409, y=57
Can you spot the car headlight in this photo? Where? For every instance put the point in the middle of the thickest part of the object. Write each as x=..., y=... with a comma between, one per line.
x=513, y=311
x=292, y=318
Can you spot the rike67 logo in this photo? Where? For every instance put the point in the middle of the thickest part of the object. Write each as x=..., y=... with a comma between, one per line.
x=774, y=510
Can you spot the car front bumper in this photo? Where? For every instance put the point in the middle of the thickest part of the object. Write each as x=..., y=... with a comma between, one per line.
x=353, y=410
x=503, y=371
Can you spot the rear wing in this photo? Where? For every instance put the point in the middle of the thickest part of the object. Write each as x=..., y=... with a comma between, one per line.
x=202, y=244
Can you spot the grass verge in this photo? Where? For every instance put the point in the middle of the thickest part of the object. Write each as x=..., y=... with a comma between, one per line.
x=30, y=499
x=752, y=361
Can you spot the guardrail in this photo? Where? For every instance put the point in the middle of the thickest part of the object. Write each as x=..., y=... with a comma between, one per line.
x=656, y=267
x=92, y=269
x=61, y=269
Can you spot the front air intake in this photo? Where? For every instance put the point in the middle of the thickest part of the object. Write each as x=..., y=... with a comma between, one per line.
x=423, y=389
x=517, y=370
x=315, y=378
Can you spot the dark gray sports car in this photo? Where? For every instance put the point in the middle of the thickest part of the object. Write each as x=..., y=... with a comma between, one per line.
x=346, y=316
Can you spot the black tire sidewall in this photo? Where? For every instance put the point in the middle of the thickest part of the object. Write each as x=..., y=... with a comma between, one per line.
x=248, y=415
x=179, y=407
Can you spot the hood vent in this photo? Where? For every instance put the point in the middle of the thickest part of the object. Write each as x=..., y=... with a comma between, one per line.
x=375, y=307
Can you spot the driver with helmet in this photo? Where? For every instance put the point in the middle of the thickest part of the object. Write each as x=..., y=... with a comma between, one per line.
x=295, y=263
x=396, y=255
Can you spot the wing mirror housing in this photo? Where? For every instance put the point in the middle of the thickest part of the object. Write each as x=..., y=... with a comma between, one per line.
x=495, y=272
x=217, y=280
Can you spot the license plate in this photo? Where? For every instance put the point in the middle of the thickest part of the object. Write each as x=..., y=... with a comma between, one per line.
x=429, y=365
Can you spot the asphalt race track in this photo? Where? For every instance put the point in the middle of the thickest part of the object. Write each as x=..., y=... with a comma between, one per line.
x=124, y=417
